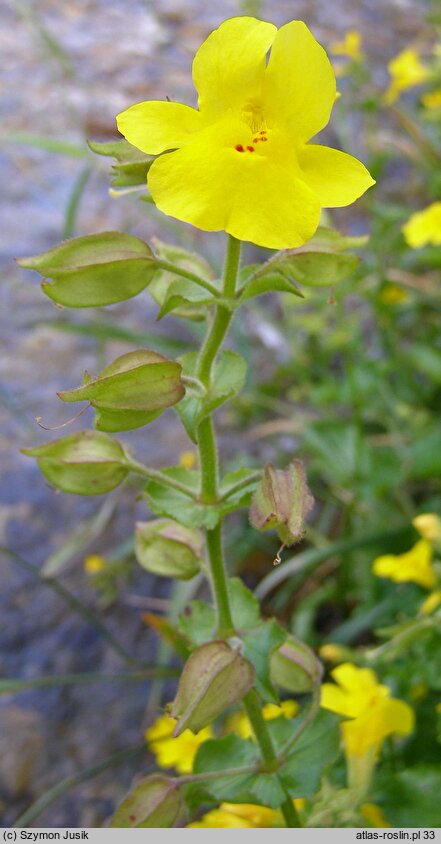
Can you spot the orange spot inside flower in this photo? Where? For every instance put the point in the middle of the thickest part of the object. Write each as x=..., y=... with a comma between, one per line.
x=250, y=149
x=239, y=148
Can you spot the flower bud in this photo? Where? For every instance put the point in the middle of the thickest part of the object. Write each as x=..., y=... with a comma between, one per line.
x=428, y=526
x=154, y=802
x=214, y=677
x=88, y=463
x=167, y=548
x=282, y=501
x=295, y=667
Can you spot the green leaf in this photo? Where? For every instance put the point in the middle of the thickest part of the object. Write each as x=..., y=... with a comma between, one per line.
x=315, y=750
x=259, y=644
x=88, y=463
x=242, y=497
x=269, y=282
x=198, y=623
x=228, y=379
x=97, y=269
x=244, y=605
x=181, y=294
x=164, y=280
x=234, y=752
x=175, y=505
x=131, y=165
x=137, y=381
x=411, y=798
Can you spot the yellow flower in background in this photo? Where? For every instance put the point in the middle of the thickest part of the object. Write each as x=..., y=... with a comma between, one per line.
x=424, y=227
x=429, y=526
x=432, y=602
x=237, y=816
x=173, y=752
x=241, y=162
x=243, y=816
x=406, y=70
x=393, y=294
x=349, y=46
x=415, y=566
x=93, y=564
x=238, y=722
x=374, y=816
x=374, y=714
x=432, y=99
x=187, y=459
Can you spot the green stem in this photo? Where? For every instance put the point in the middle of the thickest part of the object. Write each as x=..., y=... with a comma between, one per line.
x=208, y=459
x=173, y=268
x=225, y=624
x=260, y=729
x=161, y=478
x=222, y=317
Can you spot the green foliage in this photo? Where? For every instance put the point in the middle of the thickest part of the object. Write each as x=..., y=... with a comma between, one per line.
x=131, y=165
x=228, y=379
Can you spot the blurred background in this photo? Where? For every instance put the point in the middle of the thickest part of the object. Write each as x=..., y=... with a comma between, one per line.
x=350, y=380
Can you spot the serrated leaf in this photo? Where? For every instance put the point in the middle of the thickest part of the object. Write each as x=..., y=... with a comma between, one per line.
x=245, y=607
x=96, y=269
x=175, y=505
x=259, y=644
x=271, y=282
x=163, y=279
x=181, y=294
x=198, y=623
x=234, y=752
x=228, y=379
x=316, y=749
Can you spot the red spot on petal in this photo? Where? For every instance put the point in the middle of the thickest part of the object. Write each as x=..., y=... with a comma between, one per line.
x=250, y=149
x=255, y=140
x=239, y=148
x=264, y=139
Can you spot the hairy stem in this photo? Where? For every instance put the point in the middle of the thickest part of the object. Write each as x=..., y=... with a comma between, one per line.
x=252, y=706
x=208, y=458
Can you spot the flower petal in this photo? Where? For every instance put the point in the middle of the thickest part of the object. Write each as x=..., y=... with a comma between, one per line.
x=229, y=66
x=336, y=177
x=155, y=125
x=299, y=82
x=255, y=196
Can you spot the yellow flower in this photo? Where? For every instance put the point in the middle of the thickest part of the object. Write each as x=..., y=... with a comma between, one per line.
x=187, y=459
x=333, y=653
x=406, y=71
x=173, y=752
x=432, y=99
x=373, y=713
x=238, y=722
x=431, y=603
x=237, y=816
x=429, y=526
x=350, y=46
x=241, y=161
x=393, y=294
x=94, y=564
x=424, y=227
x=374, y=816
x=414, y=566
